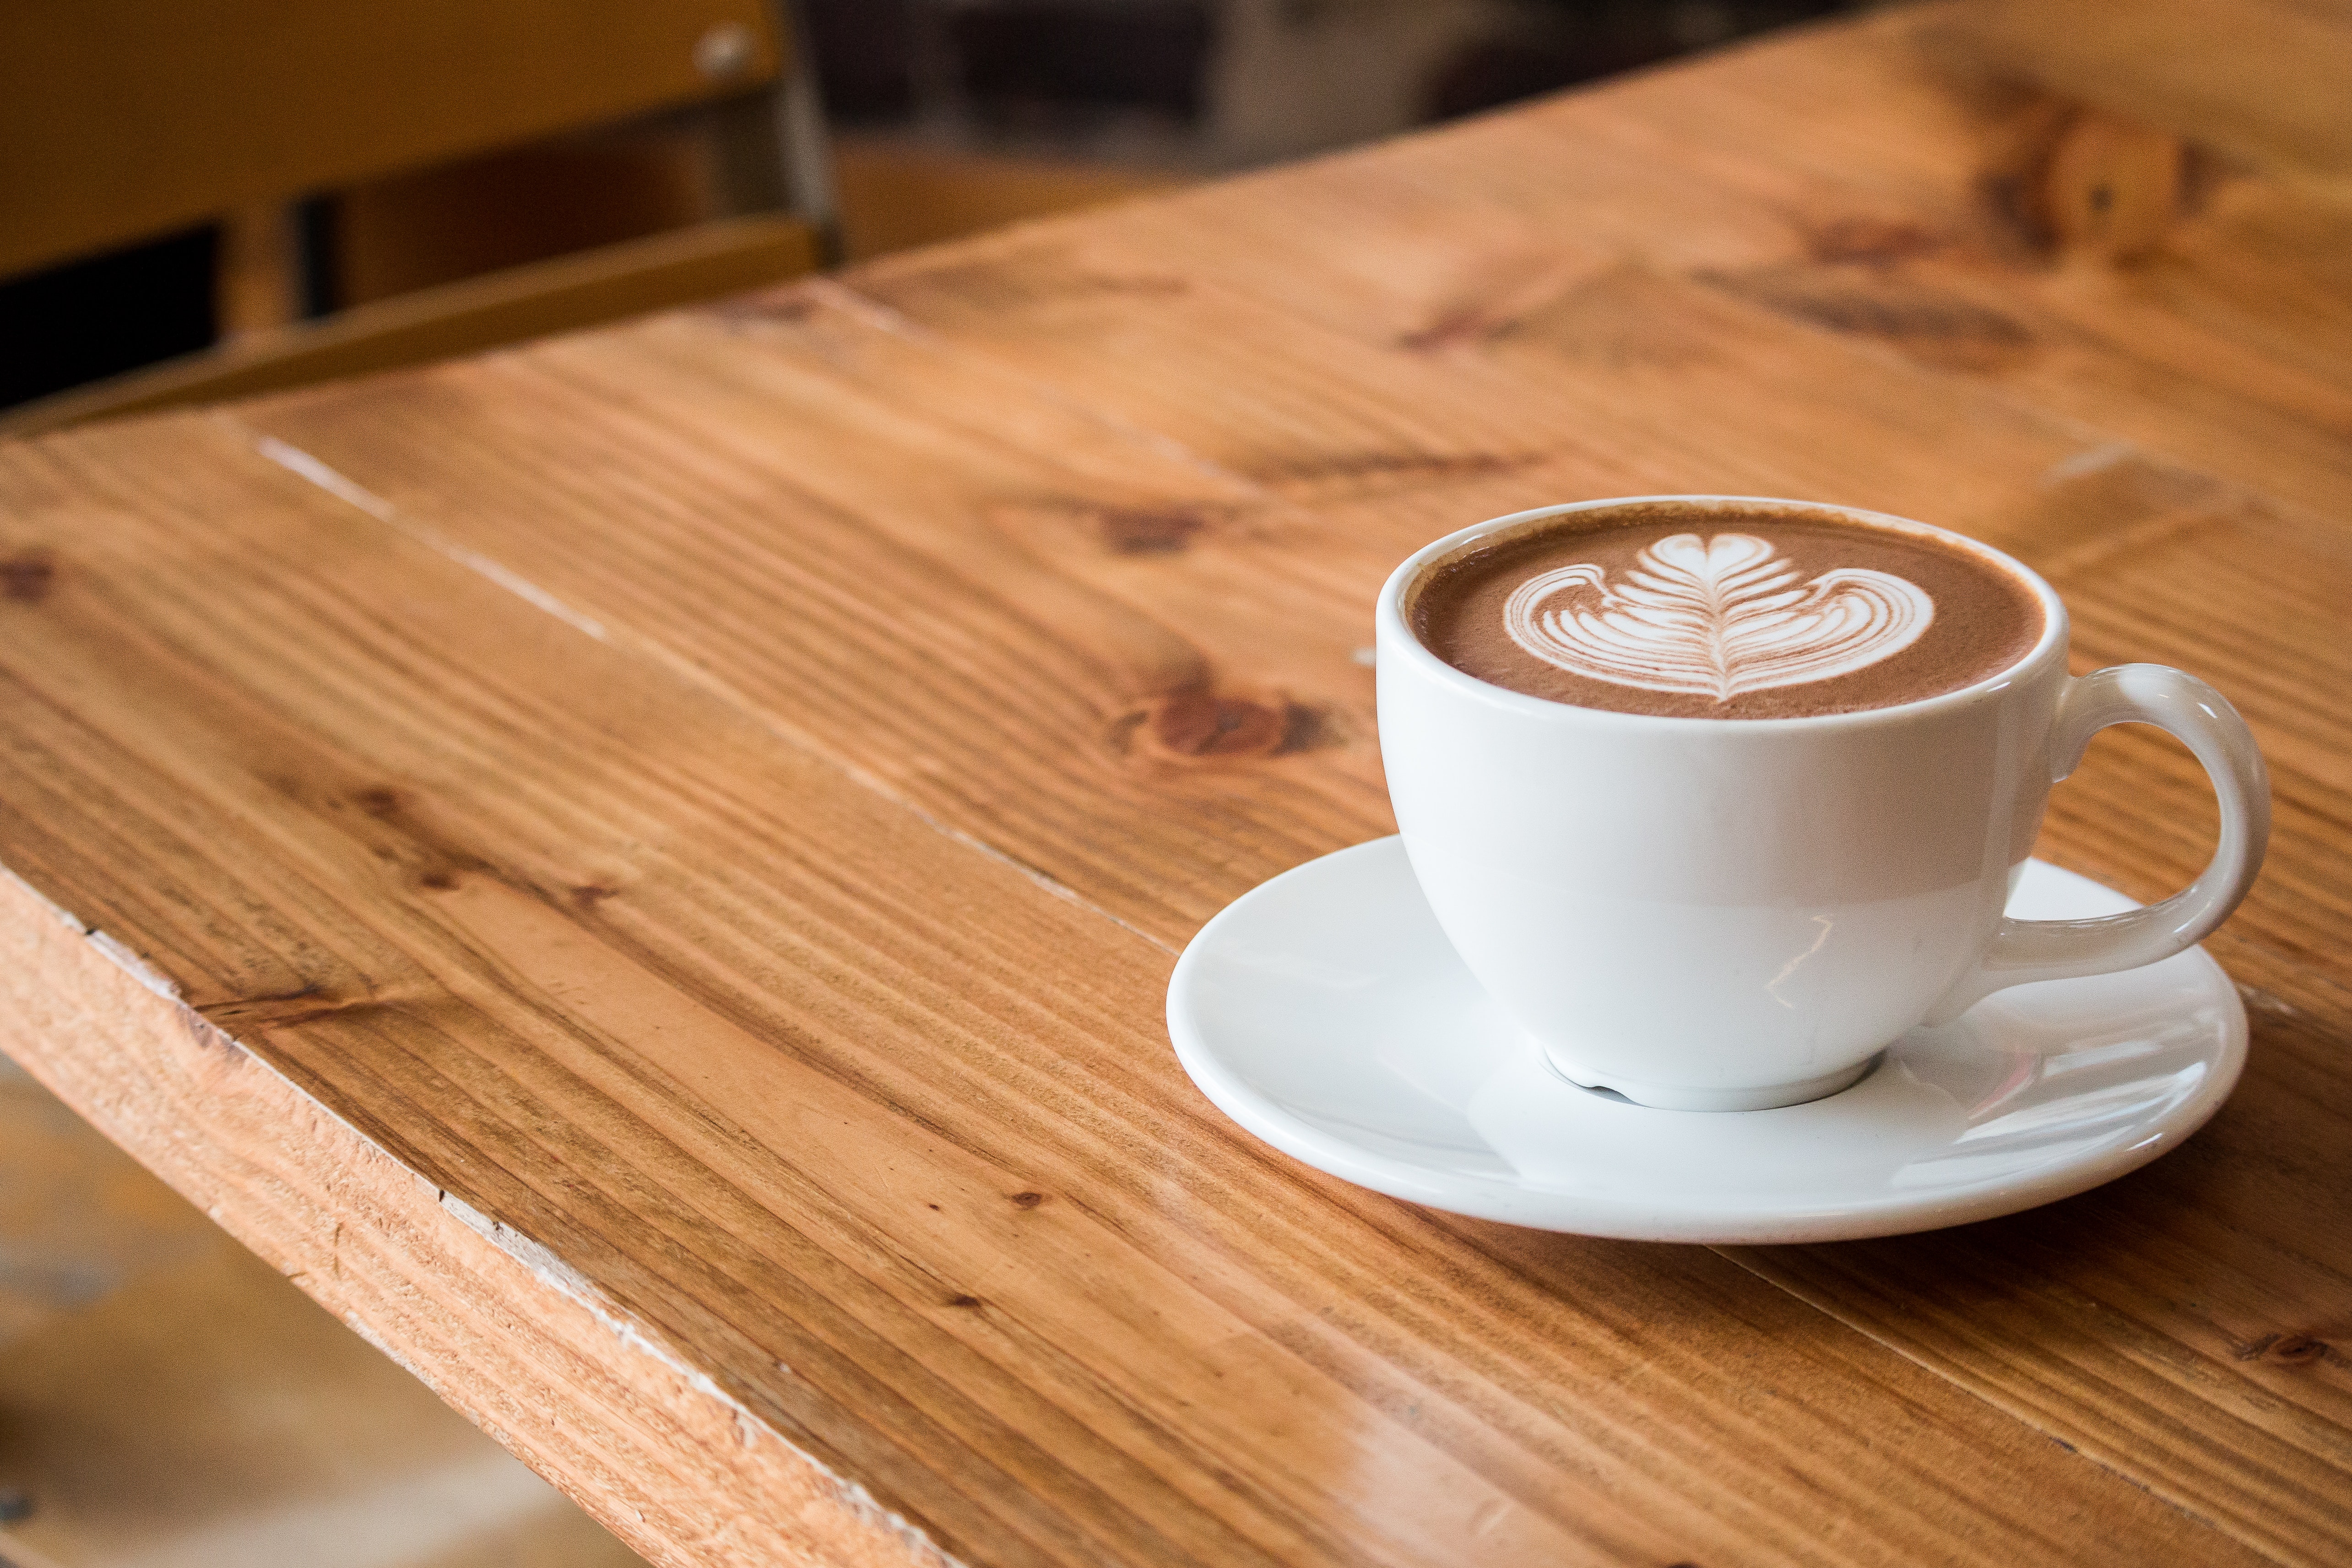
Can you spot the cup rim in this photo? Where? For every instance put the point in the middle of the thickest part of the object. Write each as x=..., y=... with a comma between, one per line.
x=1393, y=620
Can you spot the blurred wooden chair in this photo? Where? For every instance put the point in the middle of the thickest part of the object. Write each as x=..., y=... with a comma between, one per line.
x=124, y=120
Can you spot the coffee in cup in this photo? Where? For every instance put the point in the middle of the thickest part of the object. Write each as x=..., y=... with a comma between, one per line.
x=1721, y=614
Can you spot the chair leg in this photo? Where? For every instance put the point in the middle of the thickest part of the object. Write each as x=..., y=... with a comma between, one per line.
x=261, y=284
x=773, y=152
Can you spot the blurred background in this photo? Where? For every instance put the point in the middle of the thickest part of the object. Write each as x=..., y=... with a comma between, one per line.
x=1123, y=92
x=901, y=122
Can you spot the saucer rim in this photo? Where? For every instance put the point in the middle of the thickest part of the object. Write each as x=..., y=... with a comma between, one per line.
x=1493, y=1198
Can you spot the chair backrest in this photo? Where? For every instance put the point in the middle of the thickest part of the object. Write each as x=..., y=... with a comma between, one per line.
x=124, y=119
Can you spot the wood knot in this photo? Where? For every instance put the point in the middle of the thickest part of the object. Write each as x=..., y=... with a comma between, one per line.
x=311, y=1004
x=2063, y=178
x=1151, y=528
x=2112, y=188
x=25, y=576
x=438, y=881
x=380, y=801
x=1148, y=531
x=1200, y=725
x=588, y=895
x=1464, y=326
x=1027, y=1200
x=2285, y=1349
x=967, y=1302
x=1875, y=240
x=1924, y=323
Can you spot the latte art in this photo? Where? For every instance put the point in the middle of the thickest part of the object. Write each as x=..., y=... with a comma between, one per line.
x=1718, y=618
x=1722, y=610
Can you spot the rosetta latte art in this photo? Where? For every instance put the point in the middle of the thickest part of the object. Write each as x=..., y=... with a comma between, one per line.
x=1714, y=619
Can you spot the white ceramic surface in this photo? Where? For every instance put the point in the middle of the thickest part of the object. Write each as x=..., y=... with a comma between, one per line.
x=1326, y=1013
x=1728, y=914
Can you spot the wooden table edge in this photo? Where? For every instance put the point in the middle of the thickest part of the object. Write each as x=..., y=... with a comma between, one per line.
x=491, y=1322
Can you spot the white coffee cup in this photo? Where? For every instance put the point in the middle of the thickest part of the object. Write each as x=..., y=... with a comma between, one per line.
x=1711, y=914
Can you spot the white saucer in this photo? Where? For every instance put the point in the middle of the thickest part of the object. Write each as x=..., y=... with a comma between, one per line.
x=1327, y=1013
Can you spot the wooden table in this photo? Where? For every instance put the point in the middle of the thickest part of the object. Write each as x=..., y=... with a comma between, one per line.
x=643, y=871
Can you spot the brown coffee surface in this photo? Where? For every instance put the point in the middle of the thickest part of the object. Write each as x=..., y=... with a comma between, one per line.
x=1712, y=613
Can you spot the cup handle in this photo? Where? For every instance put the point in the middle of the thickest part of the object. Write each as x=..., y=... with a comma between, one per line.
x=2026, y=951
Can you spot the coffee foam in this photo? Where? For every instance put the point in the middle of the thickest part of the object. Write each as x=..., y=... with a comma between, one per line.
x=1715, y=617
x=1703, y=611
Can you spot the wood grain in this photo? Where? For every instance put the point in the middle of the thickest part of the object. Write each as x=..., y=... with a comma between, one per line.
x=862, y=1126
x=722, y=796
x=1266, y=457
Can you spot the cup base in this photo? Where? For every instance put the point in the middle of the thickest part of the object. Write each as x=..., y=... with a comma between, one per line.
x=1666, y=1097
